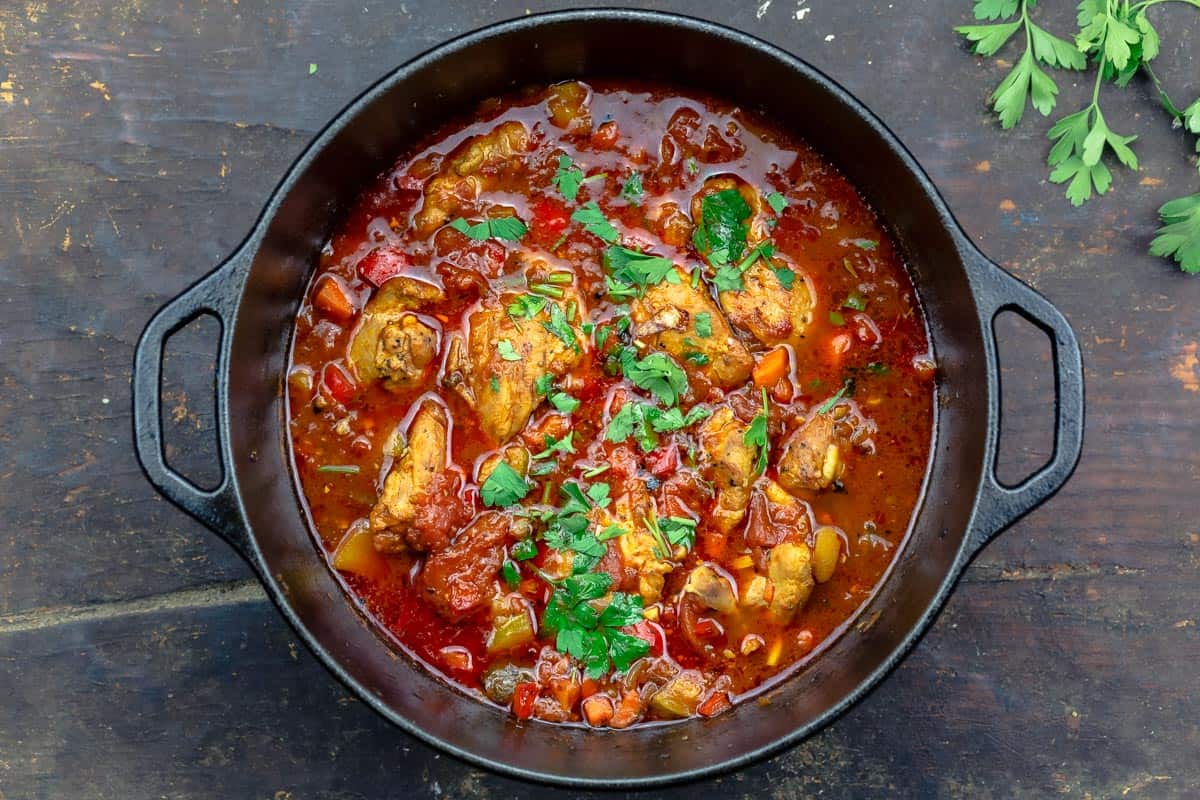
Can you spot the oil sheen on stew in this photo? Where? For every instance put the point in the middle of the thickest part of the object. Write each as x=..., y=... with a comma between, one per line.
x=611, y=403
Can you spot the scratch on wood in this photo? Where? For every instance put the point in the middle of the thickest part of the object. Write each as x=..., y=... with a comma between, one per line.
x=1052, y=572
x=211, y=596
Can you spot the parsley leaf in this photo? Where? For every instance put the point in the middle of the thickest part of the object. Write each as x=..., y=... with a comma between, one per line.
x=558, y=325
x=512, y=576
x=554, y=446
x=658, y=374
x=777, y=202
x=594, y=222
x=504, y=487
x=568, y=178
x=756, y=436
x=544, y=384
x=639, y=269
x=720, y=237
x=645, y=421
x=1179, y=236
x=506, y=350
x=590, y=636
x=509, y=228
x=525, y=550
x=632, y=189
x=526, y=306
x=679, y=530
x=704, y=324
x=564, y=402
x=787, y=278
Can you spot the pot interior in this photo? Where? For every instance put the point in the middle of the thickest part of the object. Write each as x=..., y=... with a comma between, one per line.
x=449, y=82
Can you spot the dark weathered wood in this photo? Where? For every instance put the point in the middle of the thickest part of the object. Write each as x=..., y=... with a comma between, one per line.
x=139, y=140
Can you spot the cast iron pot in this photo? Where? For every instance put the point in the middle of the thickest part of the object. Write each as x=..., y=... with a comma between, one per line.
x=257, y=291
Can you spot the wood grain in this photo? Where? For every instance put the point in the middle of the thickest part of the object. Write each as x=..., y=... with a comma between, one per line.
x=138, y=659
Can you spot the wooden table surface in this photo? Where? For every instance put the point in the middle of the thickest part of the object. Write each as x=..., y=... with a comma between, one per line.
x=138, y=658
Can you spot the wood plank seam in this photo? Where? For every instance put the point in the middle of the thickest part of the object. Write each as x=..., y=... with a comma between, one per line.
x=247, y=590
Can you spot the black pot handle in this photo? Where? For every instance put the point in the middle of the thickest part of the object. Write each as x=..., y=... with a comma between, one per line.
x=217, y=294
x=995, y=291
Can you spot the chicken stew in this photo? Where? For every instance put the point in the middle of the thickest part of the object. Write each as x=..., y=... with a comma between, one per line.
x=611, y=404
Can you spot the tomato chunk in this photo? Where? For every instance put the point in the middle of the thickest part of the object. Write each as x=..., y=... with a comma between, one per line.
x=383, y=263
x=340, y=385
x=524, y=696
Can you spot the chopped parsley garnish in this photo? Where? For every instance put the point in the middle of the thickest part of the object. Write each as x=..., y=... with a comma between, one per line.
x=341, y=469
x=657, y=373
x=828, y=405
x=679, y=530
x=508, y=228
x=632, y=189
x=512, y=576
x=836, y=318
x=565, y=445
x=878, y=368
x=777, y=202
x=594, y=222
x=620, y=291
x=504, y=487
x=598, y=494
x=506, y=350
x=544, y=384
x=856, y=302
x=611, y=532
x=787, y=278
x=526, y=306
x=864, y=244
x=524, y=550
x=495, y=384
x=597, y=470
x=692, y=165
x=558, y=325
x=756, y=436
x=564, y=402
x=697, y=358
x=645, y=421
x=594, y=637
x=639, y=269
x=704, y=324
x=721, y=235
x=568, y=178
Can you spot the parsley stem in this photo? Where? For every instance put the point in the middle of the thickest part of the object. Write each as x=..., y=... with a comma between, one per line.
x=546, y=290
x=559, y=277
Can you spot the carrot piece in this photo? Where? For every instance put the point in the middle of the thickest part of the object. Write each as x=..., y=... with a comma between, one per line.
x=772, y=367
x=628, y=711
x=597, y=710
x=715, y=704
x=331, y=299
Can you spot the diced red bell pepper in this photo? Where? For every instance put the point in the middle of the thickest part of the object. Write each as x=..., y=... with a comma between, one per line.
x=663, y=462
x=652, y=633
x=382, y=263
x=341, y=387
x=550, y=217
x=524, y=696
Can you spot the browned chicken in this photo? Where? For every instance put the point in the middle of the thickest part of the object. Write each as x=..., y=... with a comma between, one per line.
x=497, y=366
x=786, y=586
x=639, y=551
x=810, y=458
x=665, y=319
x=730, y=466
x=391, y=343
x=409, y=483
x=469, y=172
x=763, y=308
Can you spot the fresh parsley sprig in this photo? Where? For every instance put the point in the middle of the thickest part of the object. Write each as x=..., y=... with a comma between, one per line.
x=593, y=636
x=1118, y=37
